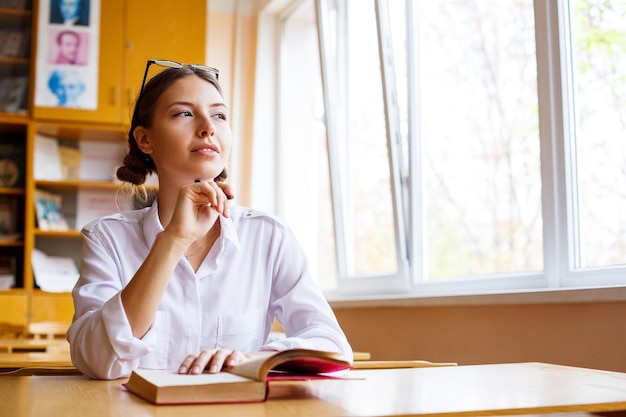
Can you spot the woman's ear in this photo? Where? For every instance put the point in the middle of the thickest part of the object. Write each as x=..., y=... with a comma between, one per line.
x=142, y=138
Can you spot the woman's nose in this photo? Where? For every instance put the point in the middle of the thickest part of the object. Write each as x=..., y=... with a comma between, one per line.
x=206, y=128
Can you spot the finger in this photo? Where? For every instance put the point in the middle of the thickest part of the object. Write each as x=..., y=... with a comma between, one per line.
x=218, y=197
x=186, y=365
x=217, y=361
x=210, y=191
x=234, y=358
x=201, y=361
x=226, y=188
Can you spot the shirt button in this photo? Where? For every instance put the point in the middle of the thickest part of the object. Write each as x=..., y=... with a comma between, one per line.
x=249, y=213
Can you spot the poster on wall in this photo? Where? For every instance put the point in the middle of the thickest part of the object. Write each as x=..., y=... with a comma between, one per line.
x=68, y=48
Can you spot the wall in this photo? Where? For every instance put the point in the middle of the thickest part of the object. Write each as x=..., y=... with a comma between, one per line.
x=231, y=47
x=579, y=334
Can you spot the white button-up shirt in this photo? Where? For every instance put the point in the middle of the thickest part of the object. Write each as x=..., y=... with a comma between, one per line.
x=254, y=272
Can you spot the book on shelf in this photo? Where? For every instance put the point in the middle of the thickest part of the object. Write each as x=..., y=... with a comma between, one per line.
x=47, y=159
x=95, y=204
x=69, y=155
x=54, y=273
x=100, y=159
x=12, y=162
x=49, y=211
x=246, y=382
x=14, y=43
x=13, y=92
x=8, y=219
x=7, y=271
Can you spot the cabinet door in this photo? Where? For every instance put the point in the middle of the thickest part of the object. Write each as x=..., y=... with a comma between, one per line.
x=57, y=307
x=13, y=309
x=109, y=74
x=160, y=29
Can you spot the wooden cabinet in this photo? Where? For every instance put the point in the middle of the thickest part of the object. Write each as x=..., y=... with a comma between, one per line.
x=15, y=70
x=133, y=31
x=13, y=198
x=51, y=306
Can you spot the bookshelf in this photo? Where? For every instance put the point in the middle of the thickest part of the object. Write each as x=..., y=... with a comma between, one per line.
x=15, y=40
x=125, y=46
x=13, y=302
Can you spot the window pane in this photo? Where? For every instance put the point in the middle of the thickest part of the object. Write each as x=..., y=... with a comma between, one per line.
x=599, y=90
x=305, y=187
x=479, y=137
x=360, y=142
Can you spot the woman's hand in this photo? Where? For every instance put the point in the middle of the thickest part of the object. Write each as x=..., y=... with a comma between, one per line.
x=196, y=206
x=218, y=194
x=215, y=360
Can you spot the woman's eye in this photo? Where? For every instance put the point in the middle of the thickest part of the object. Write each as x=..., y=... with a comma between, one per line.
x=220, y=116
x=184, y=113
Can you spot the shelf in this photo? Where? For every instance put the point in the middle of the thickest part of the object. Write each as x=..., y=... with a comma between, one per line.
x=9, y=16
x=11, y=243
x=13, y=122
x=73, y=185
x=11, y=13
x=14, y=61
x=65, y=234
x=12, y=191
x=38, y=292
x=13, y=291
x=80, y=131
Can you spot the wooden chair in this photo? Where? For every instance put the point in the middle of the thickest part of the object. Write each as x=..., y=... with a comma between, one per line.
x=47, y=329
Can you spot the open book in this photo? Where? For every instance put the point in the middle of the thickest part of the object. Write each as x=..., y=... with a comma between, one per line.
x=246, y=382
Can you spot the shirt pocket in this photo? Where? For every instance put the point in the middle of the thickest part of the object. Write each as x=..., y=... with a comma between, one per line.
x=242, y=331
x=160, y=337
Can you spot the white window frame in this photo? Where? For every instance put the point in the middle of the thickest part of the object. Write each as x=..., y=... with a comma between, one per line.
x=555, y=107
x=350, y=283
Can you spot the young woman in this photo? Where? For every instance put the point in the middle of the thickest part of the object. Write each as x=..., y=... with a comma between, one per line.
x=188, y=283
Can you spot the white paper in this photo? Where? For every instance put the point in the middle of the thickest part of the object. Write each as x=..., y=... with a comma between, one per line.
x=54, y=273
x=94, y=204
x=99, y=160
x=47, y=158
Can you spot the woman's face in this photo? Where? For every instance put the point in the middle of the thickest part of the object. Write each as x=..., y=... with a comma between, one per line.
x=190, y=137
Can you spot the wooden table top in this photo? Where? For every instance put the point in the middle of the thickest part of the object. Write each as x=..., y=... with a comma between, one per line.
x=34, y=359
x=503, y=389
x=33, y=345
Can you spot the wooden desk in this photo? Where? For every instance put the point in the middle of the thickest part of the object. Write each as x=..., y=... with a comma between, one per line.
x=504, y=389
x=34, y=359
x=33, y=345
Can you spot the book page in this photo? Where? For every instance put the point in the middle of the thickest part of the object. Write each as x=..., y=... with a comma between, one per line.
x=98, y=160
x=94, y=204
x=164, y=378
x=300, y=361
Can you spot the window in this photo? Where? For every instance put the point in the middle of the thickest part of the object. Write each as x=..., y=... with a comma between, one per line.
x=455, y=147
x=597, y=127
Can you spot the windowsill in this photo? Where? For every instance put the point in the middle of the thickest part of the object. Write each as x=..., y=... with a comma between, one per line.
x=556, y=296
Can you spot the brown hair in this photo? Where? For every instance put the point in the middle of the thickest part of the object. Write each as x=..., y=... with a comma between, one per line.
x=137, y=165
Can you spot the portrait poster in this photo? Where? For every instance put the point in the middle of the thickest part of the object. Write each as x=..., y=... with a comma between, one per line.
x=68, y=50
